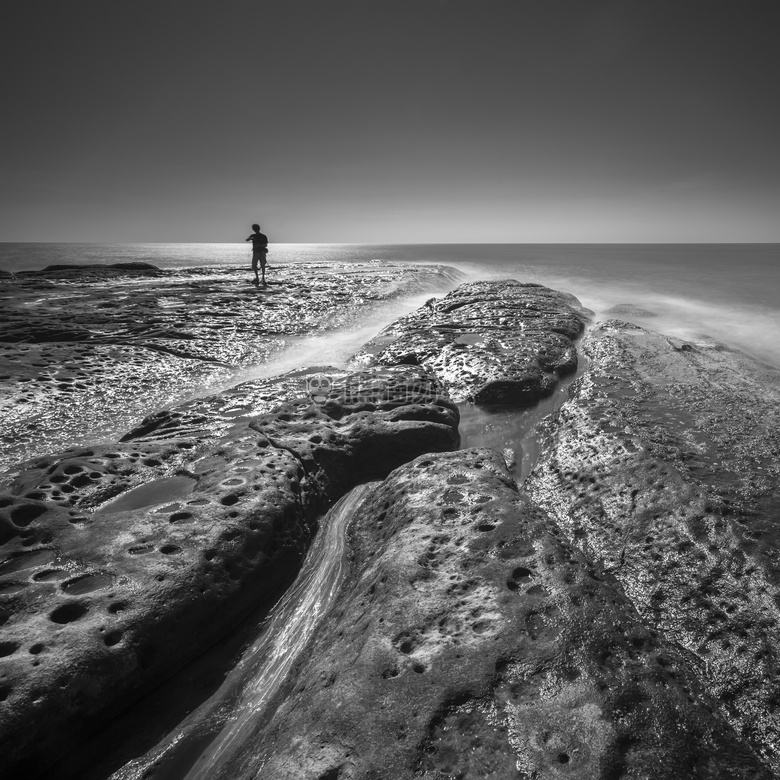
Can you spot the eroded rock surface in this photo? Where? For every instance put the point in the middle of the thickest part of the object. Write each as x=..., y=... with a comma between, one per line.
x=665, y=467
x=471, y=641
x=121, y=563
x=87, y=351
x=502, y=342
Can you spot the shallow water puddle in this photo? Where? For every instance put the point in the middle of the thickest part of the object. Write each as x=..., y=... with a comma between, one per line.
x=87, y=584
x=512, y=430
x=27, y=560
x=159, y=491
x=470, y=338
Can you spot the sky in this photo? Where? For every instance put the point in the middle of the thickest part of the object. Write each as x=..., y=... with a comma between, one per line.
x=390, y=121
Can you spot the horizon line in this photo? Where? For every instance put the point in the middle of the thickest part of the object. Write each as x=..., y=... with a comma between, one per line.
x=410, y=243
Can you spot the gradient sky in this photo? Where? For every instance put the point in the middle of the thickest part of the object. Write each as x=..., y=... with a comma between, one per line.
x=390, y=121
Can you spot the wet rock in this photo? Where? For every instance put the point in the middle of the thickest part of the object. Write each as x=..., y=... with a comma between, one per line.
x=501, y=342
x=30, y=333
x=121, y=563
x=665, y=467
x=472, y=641
x=77, y=344
x=84, y=269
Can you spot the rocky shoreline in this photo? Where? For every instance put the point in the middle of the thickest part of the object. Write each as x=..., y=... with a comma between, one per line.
x=664, y=466
x=614, y=615
x=86, y=352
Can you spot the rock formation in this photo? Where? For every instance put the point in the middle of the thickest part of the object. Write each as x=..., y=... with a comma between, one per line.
x=616, y=615
x=87, y=351
x=472, y=641
x=665, y=466
x=121, y=563
x=501, y=342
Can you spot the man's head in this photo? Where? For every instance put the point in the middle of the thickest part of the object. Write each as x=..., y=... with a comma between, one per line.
x=256, y=228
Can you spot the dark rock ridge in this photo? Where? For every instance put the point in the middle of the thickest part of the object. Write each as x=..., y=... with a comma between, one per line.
x=471, y=641
x=121, y=563
x=86, y=352
x=90, y=269
x=665, y=466
x=503, y=342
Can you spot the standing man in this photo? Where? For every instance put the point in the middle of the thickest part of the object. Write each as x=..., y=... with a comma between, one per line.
x=259, y=251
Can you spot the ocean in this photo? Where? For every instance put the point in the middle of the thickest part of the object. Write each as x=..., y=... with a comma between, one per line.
x=727, y=292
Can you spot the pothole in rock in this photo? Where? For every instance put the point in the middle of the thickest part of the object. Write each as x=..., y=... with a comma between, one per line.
x=28, y=560
x=87, y=584
x=469, y=338
x=160, y=491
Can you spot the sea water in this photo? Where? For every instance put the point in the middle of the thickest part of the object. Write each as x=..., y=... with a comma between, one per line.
x=728, y=292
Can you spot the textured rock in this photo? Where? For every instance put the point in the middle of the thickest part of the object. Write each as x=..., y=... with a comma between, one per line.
x=328, y=386
x=491, y=342
x=665, y=466
x=120, y=563
x=77, y=344
x=471, y=641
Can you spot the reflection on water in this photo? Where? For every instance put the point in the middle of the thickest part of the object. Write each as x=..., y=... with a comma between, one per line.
x=159, y=491
x=512, y=430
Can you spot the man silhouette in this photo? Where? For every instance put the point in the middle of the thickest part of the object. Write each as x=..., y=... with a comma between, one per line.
x=259, y=251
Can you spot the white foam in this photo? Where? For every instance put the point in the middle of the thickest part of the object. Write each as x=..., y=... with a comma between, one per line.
x=751, y=328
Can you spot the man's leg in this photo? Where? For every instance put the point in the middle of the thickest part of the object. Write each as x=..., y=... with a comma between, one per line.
x=255, y=258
